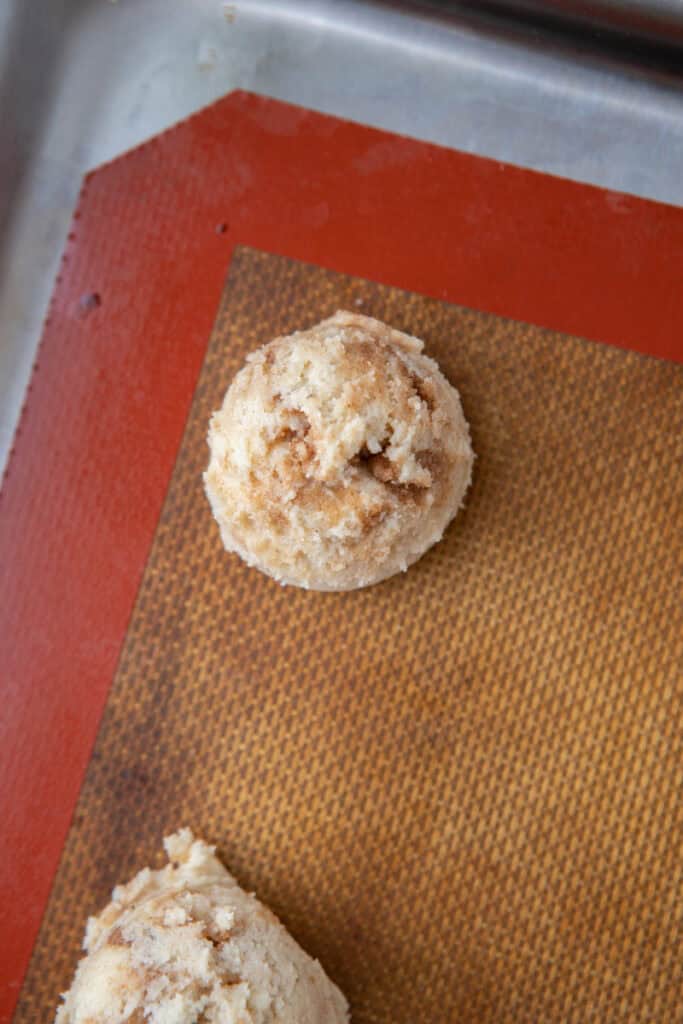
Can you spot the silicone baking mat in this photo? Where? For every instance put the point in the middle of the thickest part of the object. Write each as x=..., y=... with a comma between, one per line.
x=124, y=341
x=458, y=788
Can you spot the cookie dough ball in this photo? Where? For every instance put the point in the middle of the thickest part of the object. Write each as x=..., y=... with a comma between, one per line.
x=186, y=945
x=340, y=454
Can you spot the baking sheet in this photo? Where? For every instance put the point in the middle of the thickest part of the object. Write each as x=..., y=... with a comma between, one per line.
x=82, y=81
x=458, y=788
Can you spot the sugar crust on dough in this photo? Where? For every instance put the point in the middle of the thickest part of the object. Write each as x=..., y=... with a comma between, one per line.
x=339, y=456
x=187, y=945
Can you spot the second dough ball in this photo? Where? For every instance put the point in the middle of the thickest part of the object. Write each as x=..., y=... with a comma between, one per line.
x=185, y=945
x=340, y=454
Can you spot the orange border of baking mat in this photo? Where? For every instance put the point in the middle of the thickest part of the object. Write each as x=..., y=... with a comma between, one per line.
x=152, y=239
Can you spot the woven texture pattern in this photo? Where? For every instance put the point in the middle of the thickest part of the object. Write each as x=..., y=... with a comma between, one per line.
x=459, y=789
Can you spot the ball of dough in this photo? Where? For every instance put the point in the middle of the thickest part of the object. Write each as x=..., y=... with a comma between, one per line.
x=340, y=454
x=186, y=945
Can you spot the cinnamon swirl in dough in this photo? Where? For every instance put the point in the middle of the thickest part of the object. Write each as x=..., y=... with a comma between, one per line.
x=340, y=454
x=186, y=945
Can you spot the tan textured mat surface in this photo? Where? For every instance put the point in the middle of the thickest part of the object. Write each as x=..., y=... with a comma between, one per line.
x=459, y=789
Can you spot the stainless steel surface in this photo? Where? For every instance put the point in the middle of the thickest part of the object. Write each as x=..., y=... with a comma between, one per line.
x=83, y=80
